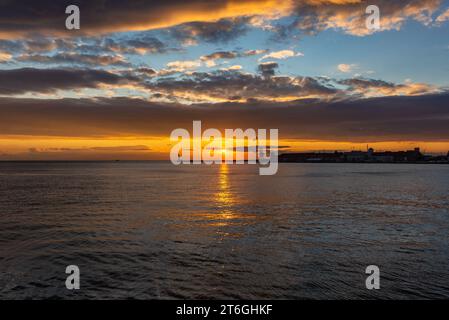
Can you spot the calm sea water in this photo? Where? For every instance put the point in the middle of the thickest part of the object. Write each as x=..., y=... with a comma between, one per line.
x=153, y=230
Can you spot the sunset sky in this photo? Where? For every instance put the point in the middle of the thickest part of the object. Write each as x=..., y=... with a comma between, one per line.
x=136, y=70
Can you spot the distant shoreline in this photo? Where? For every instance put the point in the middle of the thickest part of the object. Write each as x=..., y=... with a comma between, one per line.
x=168, y=161
x=361, y=162
x=80, y=161
x=370, y=156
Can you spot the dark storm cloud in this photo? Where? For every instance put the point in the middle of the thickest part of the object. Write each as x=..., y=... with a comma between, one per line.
x=20, y=81
x=423, y=118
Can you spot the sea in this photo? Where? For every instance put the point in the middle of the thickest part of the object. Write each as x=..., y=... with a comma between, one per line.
x=152, y=230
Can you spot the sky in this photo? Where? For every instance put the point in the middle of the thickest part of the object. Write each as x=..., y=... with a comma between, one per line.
x=136, y=70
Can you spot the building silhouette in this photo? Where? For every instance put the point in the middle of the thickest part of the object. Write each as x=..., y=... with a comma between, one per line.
x=369, y=156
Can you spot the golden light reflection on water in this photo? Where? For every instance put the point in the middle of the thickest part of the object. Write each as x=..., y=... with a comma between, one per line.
x=224, y=197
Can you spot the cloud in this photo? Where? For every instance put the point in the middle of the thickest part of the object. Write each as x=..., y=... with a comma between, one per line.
x=232, y=68
x=233, y=85
x=443, y=17
x=419, y=118
x=34, y=45
x=210, y=59
x=5, y=57
x=349, y=16
x=211, y=21
x=41, y=45
x=140, y=44
x=47, y=17
x=90, y=149
x=268, y=69
x=226, y=84
x=373, y=88
x=346, y=68
x=181, y=66
x=254, y=52
x=220, y=55
x=20, y=81
x=10, y=46
x=147, y=71
x=283, y=54
x=224, y=30
x=137, y=43
x=75, y=59
x=106, y=153
x=122, y=148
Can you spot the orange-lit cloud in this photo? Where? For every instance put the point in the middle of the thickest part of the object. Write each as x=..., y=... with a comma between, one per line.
x=4, y=57
x=130, y=15
x=350, y=16
x=346, y=68
x=282, y=54
x=377, y=88
x=46, y=17
x=443, y=17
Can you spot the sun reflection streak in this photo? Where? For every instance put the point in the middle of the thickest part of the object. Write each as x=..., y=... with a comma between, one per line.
x=224, y=197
